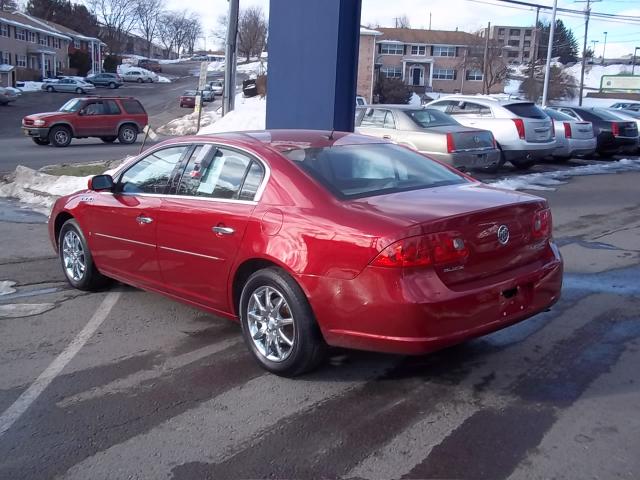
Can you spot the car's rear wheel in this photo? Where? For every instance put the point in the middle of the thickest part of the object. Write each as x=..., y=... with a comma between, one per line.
x=112, y=85
x=60, y=136
x=150, y=80
x=40, y=141
x=523, y=164
x=108, y=139
x=76, y=259
x=127, y=134
x=606, y=155
x=79, y=90
x=278, y=325
x=139, y=80
x=50, y=89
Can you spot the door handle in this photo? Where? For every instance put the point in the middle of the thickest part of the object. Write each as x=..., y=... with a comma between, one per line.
x=143, y=220
x=222, y=230
x=386, y=137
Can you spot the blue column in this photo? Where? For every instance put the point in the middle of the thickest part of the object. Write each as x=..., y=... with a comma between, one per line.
x=313, y=64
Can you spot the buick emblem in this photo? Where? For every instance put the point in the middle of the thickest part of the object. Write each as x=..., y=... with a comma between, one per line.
x=476, y=139
x=503, y=234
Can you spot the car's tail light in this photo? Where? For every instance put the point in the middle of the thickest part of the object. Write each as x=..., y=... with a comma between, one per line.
x=493, y=140
x=615, y=129
x=567, y=129
x=423, y=250
x=519, y=123
x=541, y=225
x=451, y=145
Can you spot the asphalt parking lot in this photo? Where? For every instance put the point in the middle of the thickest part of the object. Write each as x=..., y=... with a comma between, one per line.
x=158, y=390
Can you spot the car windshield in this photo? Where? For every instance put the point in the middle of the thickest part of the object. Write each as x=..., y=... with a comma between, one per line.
x=427, y=118
x=356, y=171
x=72, y=105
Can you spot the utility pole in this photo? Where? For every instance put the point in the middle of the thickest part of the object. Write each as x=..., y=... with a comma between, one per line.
x=633, y=68
x=604, y=47
x=484, y=60
x=587, y=12
x=534, y=50
x=231, y=52
x=547, y=70
x=429, y=20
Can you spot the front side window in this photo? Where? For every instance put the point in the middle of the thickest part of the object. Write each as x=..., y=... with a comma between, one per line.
x=220, y=173
x=356, y=171
x=469, y=108
x=444, y=51
x=391, y=49
x=153, y=173
x=93, y=108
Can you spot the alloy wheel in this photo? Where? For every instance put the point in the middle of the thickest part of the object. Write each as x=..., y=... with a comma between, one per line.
x=61, y=137
x=271, y=323
x=128, y=135
x=73, y=256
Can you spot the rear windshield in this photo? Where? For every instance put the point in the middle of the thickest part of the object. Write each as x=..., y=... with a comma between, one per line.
x=133, y=106
x=562, y=117
x=606, y=115
x=427, y=118
x=356, y=171
x=526, y=110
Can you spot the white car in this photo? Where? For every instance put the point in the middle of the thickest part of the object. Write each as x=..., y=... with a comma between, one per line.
x=68, y=85
x=140, y=76
x=217, y=87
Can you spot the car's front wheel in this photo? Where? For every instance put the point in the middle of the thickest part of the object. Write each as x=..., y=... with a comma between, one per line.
x=77, y=262
x=278, y=325
x=50, y=89
x=60, y=136
x=139, y=80
x=79, y=90
x=40, y=141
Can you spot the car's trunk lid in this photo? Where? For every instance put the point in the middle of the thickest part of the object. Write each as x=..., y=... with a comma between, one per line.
x=581, y=130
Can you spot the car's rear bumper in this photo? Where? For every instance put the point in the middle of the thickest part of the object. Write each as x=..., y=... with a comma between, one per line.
x=469, y=160
x=413, y=312
x=529, y=151
x=575, y=146
x=37, y=132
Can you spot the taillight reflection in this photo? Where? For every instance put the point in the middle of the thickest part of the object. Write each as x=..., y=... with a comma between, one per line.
x=519, y=123
x=542, y=224
x=424, y=250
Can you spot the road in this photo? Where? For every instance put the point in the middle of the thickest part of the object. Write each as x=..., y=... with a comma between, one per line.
x=159, y=99
x=164, y=391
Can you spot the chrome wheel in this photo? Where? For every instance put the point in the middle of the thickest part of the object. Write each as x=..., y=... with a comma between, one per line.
x=73, y=256
x=128, y=135
x=61, y=136
x=271, y=324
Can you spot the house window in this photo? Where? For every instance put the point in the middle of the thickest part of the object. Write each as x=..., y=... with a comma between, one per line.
x=526, y=43
x=501, y=31
x=391, y=49
x=32, y=37
x=6, y=58
x=21, y=61
x=474, y=75
x=527, y=33
x=59, y=65
x=391, y=72
x=439, y=51
x=418, y=50
x=20, y=34
x=4, y=29
x=514, y=31
x=514, y=43
x=43, y=41
x=56, y=42
x=525, y=55
x=76, y=44
x=444, y=74
x=512, y=54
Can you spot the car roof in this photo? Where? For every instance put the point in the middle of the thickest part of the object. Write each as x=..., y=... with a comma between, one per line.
x=485, y=98
x=106, y=97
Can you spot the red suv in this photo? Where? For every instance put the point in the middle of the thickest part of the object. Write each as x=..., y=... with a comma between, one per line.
x=107, y=118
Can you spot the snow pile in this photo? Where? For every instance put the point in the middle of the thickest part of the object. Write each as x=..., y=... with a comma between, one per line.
x=251, y=69
x=29, y=86
x=124, y=68
x=6, y=287
x=216, y=67
x=164, y=61
x=512, y=87
x=249, y=114
x=548, y=180
x=186, y=125
x=40, y=190
x=594, y=73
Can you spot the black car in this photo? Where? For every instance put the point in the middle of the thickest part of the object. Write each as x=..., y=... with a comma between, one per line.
x=111, y=80
x=613, y=134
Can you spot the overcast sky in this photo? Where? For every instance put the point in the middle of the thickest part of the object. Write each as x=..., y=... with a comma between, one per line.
x=467, y=15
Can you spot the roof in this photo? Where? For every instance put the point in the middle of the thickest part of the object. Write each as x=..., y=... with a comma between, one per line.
x=368, y=31
x=67, y=31
x=22, y=20
x=430, y=37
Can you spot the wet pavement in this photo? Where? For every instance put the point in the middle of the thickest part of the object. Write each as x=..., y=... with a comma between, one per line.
x=162, y=390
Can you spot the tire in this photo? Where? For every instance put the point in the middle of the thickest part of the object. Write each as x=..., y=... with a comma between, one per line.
x=76, y=260
x=491, y=168
x=79, y=90
x=523, y=164
x=108, y=139
x=112, y=85
x=127, y=134
x=139, y=80
x=50, y=89
x=291, y=348
x=149, y=80
x=40, y=141
x=606, y=155
x=60, y=136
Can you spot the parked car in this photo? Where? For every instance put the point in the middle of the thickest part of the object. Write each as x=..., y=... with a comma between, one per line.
x=523, y=132
x=613, y=134
x=8, y=95
x=627, y=115
x=107, y=118
x=140, y=76
x=151, y=65
x=69, y=85
x=188, y=99
x=315, y=238
x=635, y=106
x=111, y=80
x=217, y=87
x=199, y=58
x=432, y=133
x=573, y=137
x=207, y=94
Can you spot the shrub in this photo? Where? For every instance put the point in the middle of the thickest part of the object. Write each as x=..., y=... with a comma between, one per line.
x=111, y=63
x=392, y=90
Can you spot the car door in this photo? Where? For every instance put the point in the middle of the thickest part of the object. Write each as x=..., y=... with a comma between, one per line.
x=201, y=227
x=374, y=122
x=123, y=225
x=93, y=119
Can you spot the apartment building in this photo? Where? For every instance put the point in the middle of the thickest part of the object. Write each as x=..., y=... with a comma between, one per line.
x=518, y=42
x=426, y=60
x=366, y=63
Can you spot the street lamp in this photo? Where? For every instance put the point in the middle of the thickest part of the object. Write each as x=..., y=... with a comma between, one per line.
x=604, y=46
x=633, y=68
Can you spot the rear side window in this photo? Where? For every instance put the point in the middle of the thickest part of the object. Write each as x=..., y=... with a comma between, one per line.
x=605, y=115
x=430, y=118
x=469, y=108
x=526, y=110
x=111, y=107
x=133, y=106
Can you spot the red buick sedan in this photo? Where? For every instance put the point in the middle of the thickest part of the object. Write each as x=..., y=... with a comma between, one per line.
x=311, y=238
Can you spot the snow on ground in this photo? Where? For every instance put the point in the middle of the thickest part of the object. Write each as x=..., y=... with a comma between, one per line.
x=249, y=114
x=251, y=69
x=164, y=61
x=39, y=190
x=30, y=86
x=512, y=87
x=123, y=68
x=593, y=73
x=6, y=287
x=19, y=310
x=186, y=125
x=548, y=180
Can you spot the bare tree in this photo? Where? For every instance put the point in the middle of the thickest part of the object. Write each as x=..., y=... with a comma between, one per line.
x=495, y=70
x=562, y=85
x=402, y=22
x=8, y=5
x=117, y=18
x=148, y=14
x=252, y=32
x=193, y=31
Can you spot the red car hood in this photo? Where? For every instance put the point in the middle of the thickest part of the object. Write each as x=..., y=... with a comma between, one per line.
x=42, y=116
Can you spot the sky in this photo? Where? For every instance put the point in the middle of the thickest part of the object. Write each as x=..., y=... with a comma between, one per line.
x=466, y=15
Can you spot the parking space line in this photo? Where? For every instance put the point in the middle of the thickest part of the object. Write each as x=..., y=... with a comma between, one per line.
x=15, y=411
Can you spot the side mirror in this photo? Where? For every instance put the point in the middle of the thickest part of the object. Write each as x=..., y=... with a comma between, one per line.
x=82, y=112
x=99, y=183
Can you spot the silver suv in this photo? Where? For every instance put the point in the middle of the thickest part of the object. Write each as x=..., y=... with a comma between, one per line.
x=523, y=131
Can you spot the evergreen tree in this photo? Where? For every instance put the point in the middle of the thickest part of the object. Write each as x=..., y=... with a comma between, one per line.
x=71, y=15
x=565, y=45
